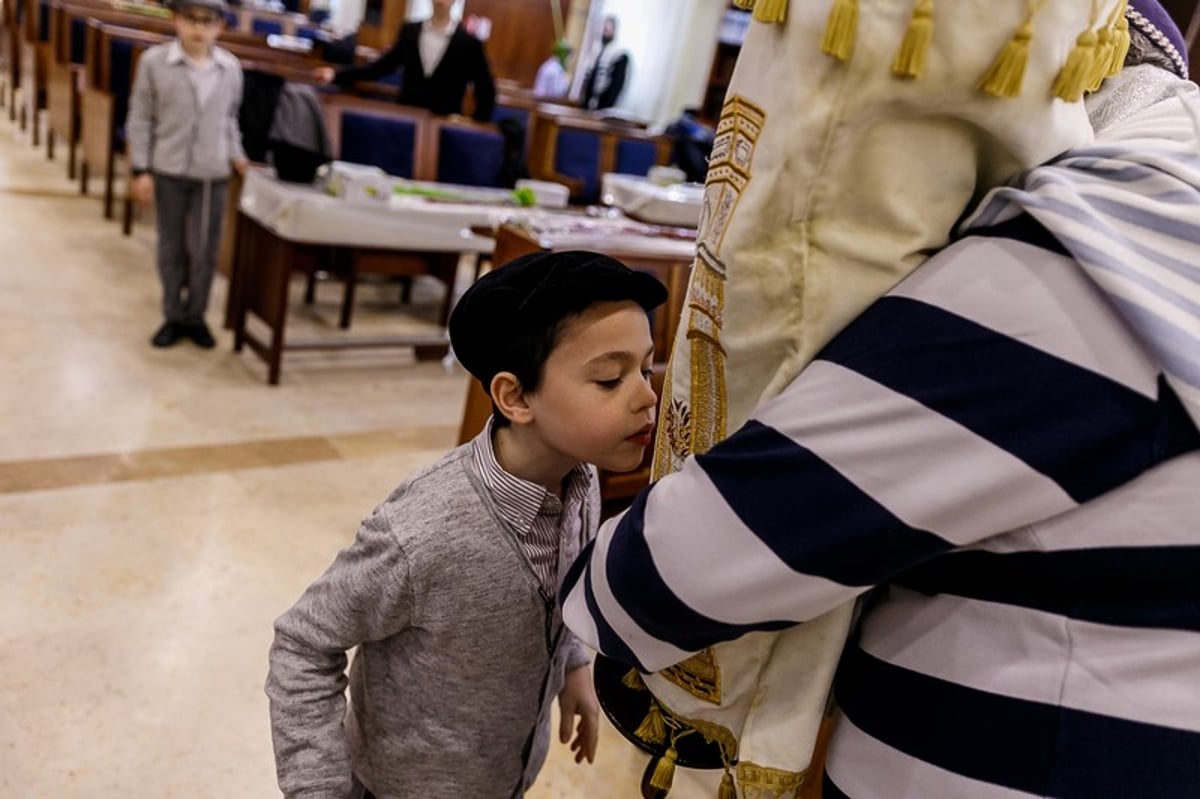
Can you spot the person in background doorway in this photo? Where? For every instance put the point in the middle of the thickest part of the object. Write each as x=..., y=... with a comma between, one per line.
x=184, y=141
x=438, y=59
x=608, y=70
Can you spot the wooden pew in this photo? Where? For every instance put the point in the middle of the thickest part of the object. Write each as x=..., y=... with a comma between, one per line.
x=549, y=125
x=34, y=50
x=10, y=57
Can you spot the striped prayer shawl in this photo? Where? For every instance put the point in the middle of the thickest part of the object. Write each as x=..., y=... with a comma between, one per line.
x=1000, y=453
x=1128, y=211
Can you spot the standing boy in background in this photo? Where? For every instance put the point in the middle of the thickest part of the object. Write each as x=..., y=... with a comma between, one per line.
x=448, y=591
x=183, y=137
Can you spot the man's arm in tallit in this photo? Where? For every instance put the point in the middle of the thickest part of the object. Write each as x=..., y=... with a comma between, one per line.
x=993, y=389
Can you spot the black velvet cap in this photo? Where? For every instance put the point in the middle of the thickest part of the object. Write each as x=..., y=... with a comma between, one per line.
x=530, y=294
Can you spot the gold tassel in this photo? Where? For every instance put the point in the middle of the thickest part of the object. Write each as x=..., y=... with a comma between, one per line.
x=841, y=29
x=910, y=59
x=1104, y=45
x=770, y=11
x=745, y=5
x=1074, y=77
x=1120, y=46
x=633, y=680
x=1006, y=74
x=664, y=771
x=727, y=791
x=652, y=730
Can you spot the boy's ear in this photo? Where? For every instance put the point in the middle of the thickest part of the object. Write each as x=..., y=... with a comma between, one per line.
x=509, y=396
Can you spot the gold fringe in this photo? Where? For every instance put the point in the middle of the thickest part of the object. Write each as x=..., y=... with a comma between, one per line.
x=841, y=29
x=771, y=11
x=745, y=5
x=757, y=780
x=726, y=790
x=1075, y=76
x=633, y=680
x=910, y=58
x=1006, y=74
x=1120, y=45
x=1104, y=46
x=664, y=771
x=653, y=729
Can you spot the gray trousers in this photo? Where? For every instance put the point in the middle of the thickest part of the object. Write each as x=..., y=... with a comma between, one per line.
x=188, y=215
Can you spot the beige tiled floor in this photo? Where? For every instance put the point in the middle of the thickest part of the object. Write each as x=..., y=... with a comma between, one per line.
x=159, y=508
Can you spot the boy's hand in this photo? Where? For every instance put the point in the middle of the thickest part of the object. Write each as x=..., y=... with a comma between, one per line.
x=324, y=75
x=578, y=698
x=141, y=191
x=240, y=165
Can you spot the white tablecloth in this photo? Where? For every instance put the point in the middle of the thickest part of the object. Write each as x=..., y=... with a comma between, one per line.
x=662, y=205
x=307, y=215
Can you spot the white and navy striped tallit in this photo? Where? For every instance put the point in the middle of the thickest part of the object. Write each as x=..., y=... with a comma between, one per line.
x=997, y=451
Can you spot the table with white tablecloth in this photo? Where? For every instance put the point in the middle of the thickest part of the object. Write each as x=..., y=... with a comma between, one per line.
x=286, y=228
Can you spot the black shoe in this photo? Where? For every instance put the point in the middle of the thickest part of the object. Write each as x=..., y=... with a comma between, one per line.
x=167, y=335
x=198, y=332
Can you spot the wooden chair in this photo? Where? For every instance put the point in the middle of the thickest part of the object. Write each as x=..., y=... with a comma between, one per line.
x=396, y=138
x=466, y=153
x=65, y=75
x=569, y=147
x=34, y=43
x=10, y=56
x=377, y=133
x=111, y=60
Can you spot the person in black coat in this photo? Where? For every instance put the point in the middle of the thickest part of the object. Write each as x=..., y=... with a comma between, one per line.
x=609, y=68
x=438, y=59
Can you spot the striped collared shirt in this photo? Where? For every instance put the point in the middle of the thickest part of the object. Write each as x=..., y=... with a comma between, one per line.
x=539, y=519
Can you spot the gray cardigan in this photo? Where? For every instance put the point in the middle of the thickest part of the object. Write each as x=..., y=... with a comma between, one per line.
x=167, y=132
x=459, y=653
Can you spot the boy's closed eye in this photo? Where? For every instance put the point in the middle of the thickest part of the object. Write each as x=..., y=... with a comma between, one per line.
x=612, y=382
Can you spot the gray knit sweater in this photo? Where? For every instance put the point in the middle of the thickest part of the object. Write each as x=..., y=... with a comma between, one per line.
x=167, y=129
x=459, y=652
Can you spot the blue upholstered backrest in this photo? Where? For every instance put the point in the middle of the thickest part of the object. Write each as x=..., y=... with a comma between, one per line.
x=265, y=27
x=306, y=32
x=577, y=155
x=387, y=142
x=470, y=157
x=635, y=157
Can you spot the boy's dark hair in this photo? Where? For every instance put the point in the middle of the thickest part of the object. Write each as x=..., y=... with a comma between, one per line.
x=511, y=319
